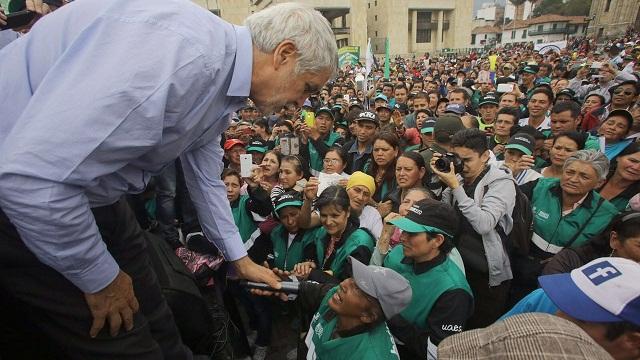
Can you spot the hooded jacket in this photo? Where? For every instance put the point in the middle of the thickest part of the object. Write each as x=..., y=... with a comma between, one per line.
x=485, y=211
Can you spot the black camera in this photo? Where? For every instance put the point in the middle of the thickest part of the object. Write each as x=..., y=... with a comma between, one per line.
x=443, y=164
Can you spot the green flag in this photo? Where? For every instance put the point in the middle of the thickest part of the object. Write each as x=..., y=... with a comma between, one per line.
x=386, y=59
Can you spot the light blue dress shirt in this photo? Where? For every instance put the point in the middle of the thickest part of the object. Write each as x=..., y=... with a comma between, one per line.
x=96, y=99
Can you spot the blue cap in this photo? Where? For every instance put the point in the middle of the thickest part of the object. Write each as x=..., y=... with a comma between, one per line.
x=381, y=97
x=457, y=109
x=604, y=290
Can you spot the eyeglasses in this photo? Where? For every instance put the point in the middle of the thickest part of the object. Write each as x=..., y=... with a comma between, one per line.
x=626, y=92
x=330, y=161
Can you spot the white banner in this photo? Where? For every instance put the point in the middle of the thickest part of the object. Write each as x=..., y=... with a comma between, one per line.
x=555, y=46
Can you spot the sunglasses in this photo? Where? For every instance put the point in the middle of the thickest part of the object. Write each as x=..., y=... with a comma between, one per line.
x=626, y=92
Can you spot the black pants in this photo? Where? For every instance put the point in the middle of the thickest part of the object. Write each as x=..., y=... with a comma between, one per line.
x=489, y=302
x=44, y=316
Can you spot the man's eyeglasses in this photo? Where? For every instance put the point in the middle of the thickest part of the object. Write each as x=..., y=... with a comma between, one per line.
x=626, y=92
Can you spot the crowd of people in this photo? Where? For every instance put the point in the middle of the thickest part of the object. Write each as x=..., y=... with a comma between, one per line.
x=432, y=212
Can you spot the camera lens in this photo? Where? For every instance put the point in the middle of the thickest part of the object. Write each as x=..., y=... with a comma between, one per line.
x=442, y=164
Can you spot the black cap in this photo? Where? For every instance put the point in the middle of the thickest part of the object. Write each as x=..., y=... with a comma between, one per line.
x=368, y=116
x=489, y=98
x=403, y=108
x=327, y=111
x=523, y=142
x=290, y=198
x=624, y=113
x=428, y=125
x=355, y=103
x=431, y=216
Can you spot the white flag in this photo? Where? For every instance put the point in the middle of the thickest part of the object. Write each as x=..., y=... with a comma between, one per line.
x=369, y=57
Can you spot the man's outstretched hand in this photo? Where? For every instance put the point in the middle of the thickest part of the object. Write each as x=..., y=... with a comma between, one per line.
x=251, y=271
x=116, y=303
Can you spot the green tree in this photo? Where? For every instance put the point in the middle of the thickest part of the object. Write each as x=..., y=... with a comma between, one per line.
x=570, y=8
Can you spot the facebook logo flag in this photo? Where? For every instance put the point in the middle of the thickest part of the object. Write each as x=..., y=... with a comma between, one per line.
x=601, y=272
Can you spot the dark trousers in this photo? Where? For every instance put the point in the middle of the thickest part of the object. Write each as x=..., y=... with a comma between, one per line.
x=38, y=303
x=489, y=301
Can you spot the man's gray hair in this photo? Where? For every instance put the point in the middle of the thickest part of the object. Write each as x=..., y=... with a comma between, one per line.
x=596, y=159
x=306, y=27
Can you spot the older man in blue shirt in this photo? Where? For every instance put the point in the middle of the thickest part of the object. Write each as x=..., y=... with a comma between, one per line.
x=96, y=99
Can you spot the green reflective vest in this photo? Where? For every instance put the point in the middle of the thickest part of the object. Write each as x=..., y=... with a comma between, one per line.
x=315, y=161
x=426, y=287
x=356, y=239
x=286, y=257
x=374, y=344
x=550, y=225
x=248, y=229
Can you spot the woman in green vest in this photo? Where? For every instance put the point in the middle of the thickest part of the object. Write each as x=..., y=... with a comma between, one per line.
x=349, y=323
x=567, y=212
x=623, y=181
x=288, y=240
x=442, y=299
x=243, y=206
x=386, y=148
x=409, y=173
x=339, y=238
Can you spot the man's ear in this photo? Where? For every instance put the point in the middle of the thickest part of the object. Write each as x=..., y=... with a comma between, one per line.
x=369, y=317
x=632, y=339
x=284, y=54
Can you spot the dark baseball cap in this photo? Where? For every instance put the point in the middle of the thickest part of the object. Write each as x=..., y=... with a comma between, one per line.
x=368, y=116
x=431, y=216
x=384, y=106
x=403, y=108
x=355, y=103
x=523, y=142
x=327, y=111
x=427, y=125
x=391, y=289
x=567, y=92
x=257, y=146
x=449, y=123
x=290, y=198
x=489, y=98
x=457, y=109
x=529, y=70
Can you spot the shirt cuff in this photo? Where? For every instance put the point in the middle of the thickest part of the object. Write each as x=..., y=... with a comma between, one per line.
x=233, y=248
x=95, y=278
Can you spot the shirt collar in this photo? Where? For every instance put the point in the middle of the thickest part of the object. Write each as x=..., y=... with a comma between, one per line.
x=423, y=267
x=354, y=148
x=242, y=69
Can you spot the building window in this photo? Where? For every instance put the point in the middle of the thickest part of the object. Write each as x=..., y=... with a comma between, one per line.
x=423, y=27
x=540, y=27
x=376, y=33
x=607, y=5
x=513, y=34
x=539, y=41
x=369, y=5
x=473, y=39
x=376, y=17
x=524, y=34
x=485, y=36
x=375, y=3
x=555, y=26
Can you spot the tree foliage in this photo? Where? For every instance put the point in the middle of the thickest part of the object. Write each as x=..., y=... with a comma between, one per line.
x=570, y=8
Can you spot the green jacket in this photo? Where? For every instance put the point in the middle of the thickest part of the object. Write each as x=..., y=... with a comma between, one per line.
x=374, y=344
x=550, y=225
x=356, y=239
x=286, y=257
x=315, y=158
x=248, y=229
x=427, y=287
